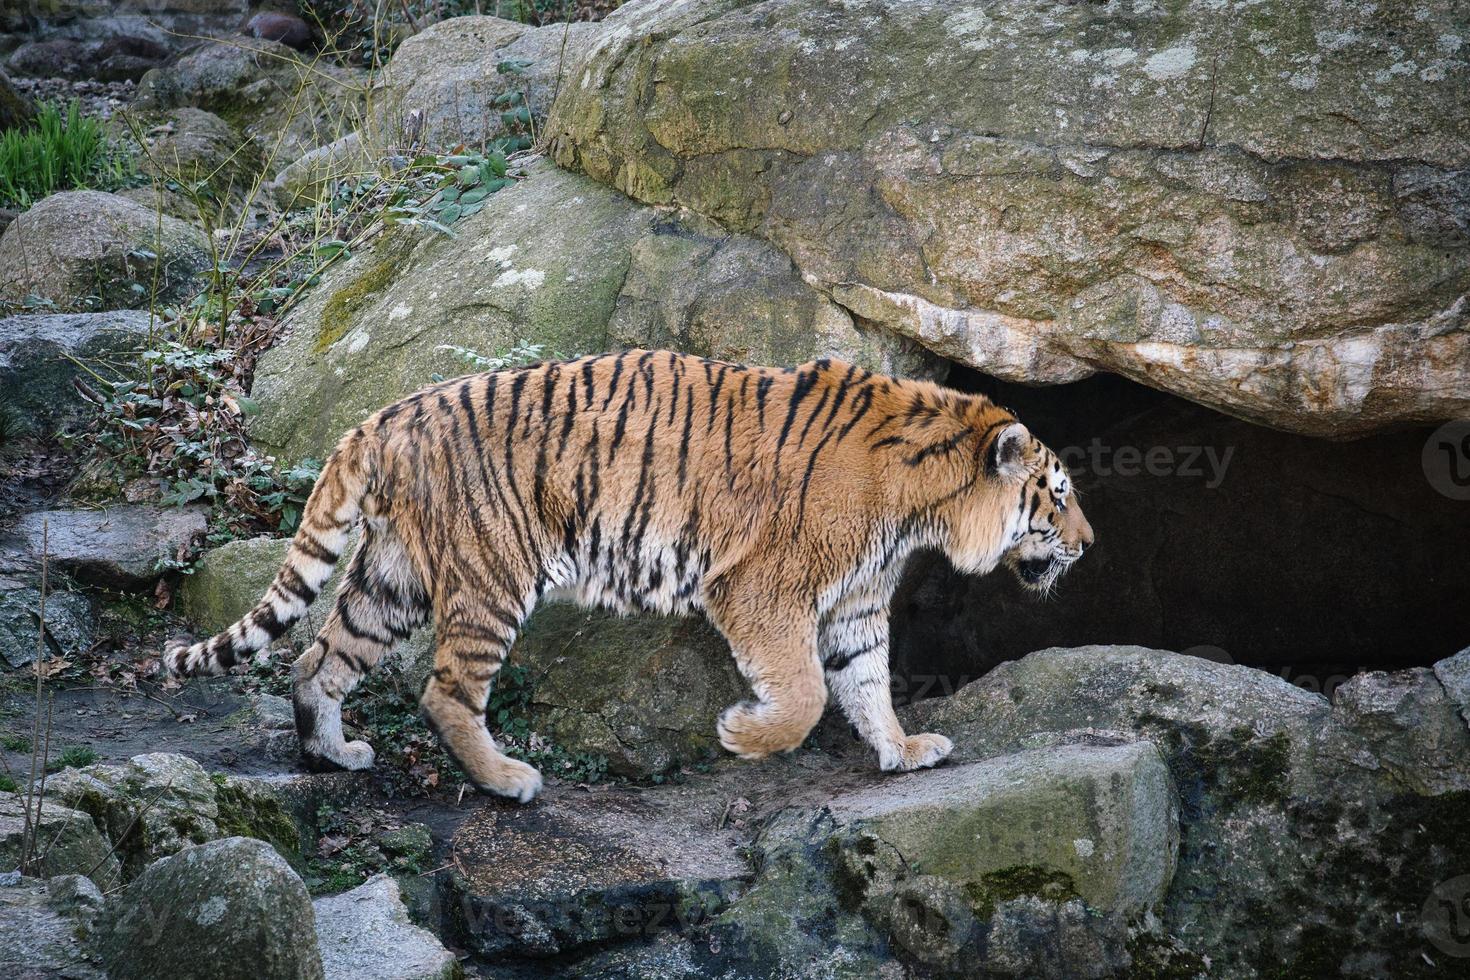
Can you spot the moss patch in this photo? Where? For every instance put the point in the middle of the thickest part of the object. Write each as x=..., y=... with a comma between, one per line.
x=343, y=305
x=1224, y=771
x=1005, y=884
x=247, y=812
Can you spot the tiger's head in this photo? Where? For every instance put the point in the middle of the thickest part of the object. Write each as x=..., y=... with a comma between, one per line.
x=1048, y=531
x=1024, y=513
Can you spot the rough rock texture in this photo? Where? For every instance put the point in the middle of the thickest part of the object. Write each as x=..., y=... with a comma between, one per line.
x=585, y=281
x=171, y=24
x=593, y=868
x=154, y=806
x=288, y=103
x=199, y=149
x=232, y=908
x=364, y=934
x=313, y=177
x=46, y=927
x=643, y=692
x=89, y=248
x=36, y=365
x=117, y=58
x=15, y=109
x=69, y=843
x=159, y=803
x=1341, y=819
x=70, y=623
x=1289, y=242
x=127, y=546
x=440, y=87
x=1101, y=819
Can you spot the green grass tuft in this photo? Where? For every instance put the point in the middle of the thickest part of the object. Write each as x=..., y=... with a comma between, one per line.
x=63, y=151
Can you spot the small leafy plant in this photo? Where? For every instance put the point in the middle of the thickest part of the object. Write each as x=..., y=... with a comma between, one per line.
x=181, y=418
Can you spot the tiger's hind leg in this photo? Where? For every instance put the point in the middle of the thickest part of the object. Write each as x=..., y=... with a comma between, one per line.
x=378, y=604
x=472, y=640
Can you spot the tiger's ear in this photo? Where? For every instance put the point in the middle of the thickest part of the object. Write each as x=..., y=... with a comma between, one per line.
x=1007, y=453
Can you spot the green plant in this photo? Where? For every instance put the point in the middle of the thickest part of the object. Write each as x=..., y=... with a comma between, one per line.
x=13, y=424
x=8, y=784
x=72, y=757
x=521, y=355
x=59, y=153
x=180, y=417
x=15, y=742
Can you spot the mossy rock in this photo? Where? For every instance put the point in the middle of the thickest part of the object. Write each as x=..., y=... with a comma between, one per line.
x=643, y=692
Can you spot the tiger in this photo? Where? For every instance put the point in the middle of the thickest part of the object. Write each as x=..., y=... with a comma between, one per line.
x=781, y=503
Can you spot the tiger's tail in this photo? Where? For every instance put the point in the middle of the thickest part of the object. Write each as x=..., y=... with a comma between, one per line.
x=326, y=521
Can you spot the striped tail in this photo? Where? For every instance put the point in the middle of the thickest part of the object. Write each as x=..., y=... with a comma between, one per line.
x=326, y=521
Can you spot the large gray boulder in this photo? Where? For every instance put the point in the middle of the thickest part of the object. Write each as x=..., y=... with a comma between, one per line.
x=159, y=803
x=127, y=546
x=1343, y=818
x=1267, y=213
x=82, y=249
x=365, y=934
x=56, y=840
x=46, y=927
x=232, y=908
x=39, y=355
x=556, y=260
x=441, y=86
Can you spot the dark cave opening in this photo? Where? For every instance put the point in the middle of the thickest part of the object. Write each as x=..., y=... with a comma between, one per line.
x=1312, y=559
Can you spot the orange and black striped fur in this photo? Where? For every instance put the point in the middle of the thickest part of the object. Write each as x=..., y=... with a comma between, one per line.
x=781, y=503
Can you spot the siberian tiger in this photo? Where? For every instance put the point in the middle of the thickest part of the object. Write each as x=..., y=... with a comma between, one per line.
x=781, y=503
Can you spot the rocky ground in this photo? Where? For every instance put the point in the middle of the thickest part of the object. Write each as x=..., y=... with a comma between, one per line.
x=1260, y=210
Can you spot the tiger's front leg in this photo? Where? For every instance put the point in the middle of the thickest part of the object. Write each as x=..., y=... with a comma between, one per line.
x=854, y=644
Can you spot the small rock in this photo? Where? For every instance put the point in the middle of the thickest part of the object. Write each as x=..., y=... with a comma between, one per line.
x=194, y=147
x=15, y=109
x=47, y=59
x=39, y=354
x=231, y=909
x=313, y=177
x=411, y=842
x=90, y=248
x=128, y=546
x=70, y=843
x=271, y=25
x=365, y=934
x=46, y=927
x=70, y=624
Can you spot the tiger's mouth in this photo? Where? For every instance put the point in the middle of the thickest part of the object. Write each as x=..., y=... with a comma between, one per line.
x=1034, y=571
x=1040, y=574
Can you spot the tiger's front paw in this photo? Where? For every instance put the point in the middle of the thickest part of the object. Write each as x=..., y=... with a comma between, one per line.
x=919, y=752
